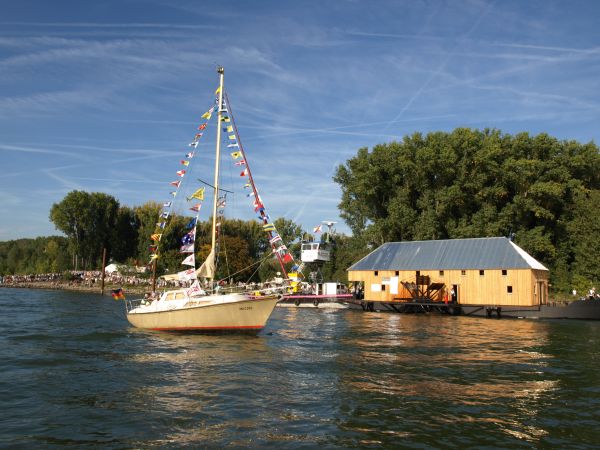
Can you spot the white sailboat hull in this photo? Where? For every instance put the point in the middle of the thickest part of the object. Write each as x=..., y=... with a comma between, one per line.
x=246, y=315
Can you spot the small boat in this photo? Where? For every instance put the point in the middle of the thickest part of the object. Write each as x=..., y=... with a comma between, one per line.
x=196, y=307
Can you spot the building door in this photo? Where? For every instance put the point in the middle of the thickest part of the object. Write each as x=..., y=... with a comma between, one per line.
x=542, y=293
x=454, y=293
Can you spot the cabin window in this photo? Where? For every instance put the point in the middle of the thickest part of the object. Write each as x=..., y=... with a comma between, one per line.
x=397, y=273
x=463, y=272
x=504, y=272
x=509, y=289
x=383, y=287
x=376, y=272
x=441, y=273
x=482, y=272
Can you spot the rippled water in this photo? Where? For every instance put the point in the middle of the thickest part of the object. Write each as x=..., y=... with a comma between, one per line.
x=74, y=373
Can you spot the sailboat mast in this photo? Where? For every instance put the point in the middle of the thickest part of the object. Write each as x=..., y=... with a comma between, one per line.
x=220, y=71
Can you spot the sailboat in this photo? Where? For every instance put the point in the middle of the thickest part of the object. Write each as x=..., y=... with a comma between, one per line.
x=210, y=310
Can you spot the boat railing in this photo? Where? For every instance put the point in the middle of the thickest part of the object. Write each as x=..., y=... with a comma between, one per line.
x=136, y=303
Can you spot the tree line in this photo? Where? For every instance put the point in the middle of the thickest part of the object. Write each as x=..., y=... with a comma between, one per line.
x=542, y=192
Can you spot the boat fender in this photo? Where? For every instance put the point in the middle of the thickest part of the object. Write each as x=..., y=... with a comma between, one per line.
x=316, y=302
x=297, y=302
x=280, y=297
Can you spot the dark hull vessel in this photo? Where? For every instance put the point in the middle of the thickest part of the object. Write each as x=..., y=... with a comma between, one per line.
x=577, y=309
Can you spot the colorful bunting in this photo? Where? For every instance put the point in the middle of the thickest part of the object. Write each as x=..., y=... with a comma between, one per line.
x=175, y=183
x=181, y=173
x=173, y=193
x=202, y=127
x=196, y=207
x=236, y=155
x=193, y=144
x=244, y=173
x=187, y=248
x=241, y=163
x=166, y=204
x=189, y=155
x=225, y=119
x=275, y=238
x=191, y=223
x=317, y=229
x=199, y=194
x=189, y=237
x=156, y=237
x=195, y=288
x=235, y=144
x=269, y=227
x=190, y=260
x=185, y=163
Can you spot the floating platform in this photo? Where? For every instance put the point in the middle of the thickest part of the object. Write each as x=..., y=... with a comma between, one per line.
x=337, y=301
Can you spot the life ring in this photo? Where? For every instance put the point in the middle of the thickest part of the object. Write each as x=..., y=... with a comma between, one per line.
x=316, y=302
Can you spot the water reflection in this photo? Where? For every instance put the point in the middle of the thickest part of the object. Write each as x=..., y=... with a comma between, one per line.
x=338, y=379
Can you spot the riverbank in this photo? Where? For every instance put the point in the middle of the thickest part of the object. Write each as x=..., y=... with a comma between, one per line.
x=80, y=287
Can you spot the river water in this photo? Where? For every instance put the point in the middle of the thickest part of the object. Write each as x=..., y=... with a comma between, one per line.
x=73, y=373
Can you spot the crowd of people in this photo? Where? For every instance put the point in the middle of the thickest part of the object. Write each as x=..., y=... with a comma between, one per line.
x=80, y=278
x=93, y=279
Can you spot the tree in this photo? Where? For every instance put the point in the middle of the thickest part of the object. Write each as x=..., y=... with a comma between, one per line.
x=88, y=220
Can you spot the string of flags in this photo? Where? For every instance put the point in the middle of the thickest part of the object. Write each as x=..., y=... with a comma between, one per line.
x=165, y=214
x=188, y=240
x=277, y=246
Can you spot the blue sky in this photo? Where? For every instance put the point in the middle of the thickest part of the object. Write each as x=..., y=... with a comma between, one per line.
x=103, y=96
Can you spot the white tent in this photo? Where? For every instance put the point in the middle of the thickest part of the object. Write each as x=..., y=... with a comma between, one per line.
x=111, y=268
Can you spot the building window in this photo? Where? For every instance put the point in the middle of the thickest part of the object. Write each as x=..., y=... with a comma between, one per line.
x=383, y=287
x=509, y=289
x=482, y=272
x=504, y=272
x=376, y=272
x=441, y=273
x=397, y=273
x=463, y=272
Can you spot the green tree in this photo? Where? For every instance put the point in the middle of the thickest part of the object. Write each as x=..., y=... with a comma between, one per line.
x=88, y=220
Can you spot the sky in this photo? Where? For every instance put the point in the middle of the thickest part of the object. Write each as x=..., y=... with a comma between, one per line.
x=105, y=95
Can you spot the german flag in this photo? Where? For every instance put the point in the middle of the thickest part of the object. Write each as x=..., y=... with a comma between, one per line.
x=117, y=294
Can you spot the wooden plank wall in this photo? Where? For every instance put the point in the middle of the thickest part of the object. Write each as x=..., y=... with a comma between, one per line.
x=491, y=288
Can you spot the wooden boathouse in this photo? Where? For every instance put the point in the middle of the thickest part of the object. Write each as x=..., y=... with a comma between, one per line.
x=481, y=271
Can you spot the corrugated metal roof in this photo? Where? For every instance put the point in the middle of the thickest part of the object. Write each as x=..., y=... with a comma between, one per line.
x=478, y=253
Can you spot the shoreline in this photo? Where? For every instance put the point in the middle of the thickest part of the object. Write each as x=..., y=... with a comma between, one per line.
x=77, y=287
